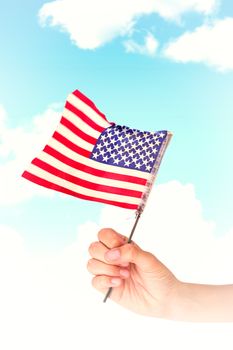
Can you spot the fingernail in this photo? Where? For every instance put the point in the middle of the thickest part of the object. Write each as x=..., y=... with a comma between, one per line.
x=115, y=281
x=113, y=254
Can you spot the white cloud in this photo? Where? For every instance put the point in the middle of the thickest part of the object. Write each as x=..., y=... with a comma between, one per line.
x=18, y=146
x=149, y=47
x=209, y=43
x=91, y=24
x=47, y=301
x=173, y=224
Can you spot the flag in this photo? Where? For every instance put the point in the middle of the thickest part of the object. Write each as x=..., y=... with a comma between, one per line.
x=93, y=159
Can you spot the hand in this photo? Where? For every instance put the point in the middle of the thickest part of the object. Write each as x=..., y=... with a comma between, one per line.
x=140, y=281
x=144, y=285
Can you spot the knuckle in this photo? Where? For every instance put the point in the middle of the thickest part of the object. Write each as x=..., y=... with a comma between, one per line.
x=115, y=242
x=102, y=233
x=98, y=282
x=132, y=251
x=90, y=265
x=92, y=247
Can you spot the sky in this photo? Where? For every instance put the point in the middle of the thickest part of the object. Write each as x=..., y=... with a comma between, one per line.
x=147, y=64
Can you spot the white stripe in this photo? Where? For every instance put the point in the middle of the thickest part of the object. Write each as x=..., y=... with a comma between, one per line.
x=79, y=189
x=74, y=138
x=80, y=124
x=89, y=162
x=82, y=106
x=89, y=177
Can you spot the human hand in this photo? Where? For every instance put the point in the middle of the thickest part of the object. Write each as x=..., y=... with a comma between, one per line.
x=139, y=280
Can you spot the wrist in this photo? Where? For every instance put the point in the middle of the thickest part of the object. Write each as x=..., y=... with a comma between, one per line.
x=184, y=306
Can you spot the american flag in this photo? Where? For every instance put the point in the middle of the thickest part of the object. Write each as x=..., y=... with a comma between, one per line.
x=93, y=159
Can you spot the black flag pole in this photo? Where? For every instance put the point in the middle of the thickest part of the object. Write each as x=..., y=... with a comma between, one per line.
x=138, y=214
x=145, y=196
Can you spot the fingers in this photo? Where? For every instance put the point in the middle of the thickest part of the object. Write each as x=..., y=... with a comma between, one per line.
x=111, y=238
x=120, y=252
x=107, y=274
x=97, y=250
x=102, y=283
x=97, y=267
x=131, y=253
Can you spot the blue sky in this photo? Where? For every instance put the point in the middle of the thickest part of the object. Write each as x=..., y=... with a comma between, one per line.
x=40, y=65
x=146, y=64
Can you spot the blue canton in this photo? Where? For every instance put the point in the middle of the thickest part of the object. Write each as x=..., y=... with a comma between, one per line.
x=128, y=148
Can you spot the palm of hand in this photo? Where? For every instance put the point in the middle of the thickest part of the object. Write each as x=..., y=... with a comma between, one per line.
x=146, y=293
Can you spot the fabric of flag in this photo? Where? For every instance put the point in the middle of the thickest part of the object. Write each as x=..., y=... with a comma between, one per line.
x=93, y=159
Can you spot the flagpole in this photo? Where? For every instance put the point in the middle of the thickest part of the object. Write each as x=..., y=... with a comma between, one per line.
x=138, y=215
x=145, y=196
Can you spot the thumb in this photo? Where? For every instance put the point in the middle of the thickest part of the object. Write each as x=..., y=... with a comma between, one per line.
x=132, y=253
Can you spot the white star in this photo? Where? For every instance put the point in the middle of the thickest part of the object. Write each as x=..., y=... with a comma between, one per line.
x=105, y=158
x=162, y=135
x=157, y=142
x=148, y=153
x=134, y=159
x=95, y=155
x=148, y=167
x=116, y=161
x=145, y=161
x=127, y=163
x=113, y=139
x=106, y=143
x=99, y=146
x=102, y=152
x=141, y=156
x=117, y=146
x=120, y=152
x=138, y=166
x=140, y=143
x=120, y=138
x=124, y=157
x=131, y=140
x=131, y=153
x=109, y=149
x=103, y=137
x=152, y=158
x=117, y=132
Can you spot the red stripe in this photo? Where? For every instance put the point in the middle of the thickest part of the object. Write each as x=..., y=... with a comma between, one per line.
x=86, y=100
x=77, y=131
x=79, y=166
x=58, y=188
x=71, y=145
x=83, y=116
x=84, y=183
